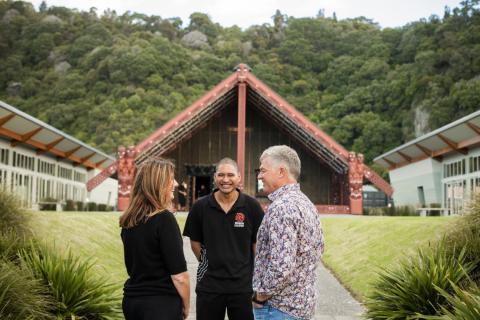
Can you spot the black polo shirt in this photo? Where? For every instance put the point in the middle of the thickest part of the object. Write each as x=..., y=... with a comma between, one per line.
x=226, y=265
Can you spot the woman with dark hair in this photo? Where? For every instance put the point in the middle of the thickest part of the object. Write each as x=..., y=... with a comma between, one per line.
x=158, y=286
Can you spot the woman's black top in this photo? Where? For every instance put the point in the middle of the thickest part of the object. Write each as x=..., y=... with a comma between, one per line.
x=153, y=252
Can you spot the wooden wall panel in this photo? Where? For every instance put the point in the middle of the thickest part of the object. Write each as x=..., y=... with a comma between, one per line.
x=218, y=139
x=209, y=144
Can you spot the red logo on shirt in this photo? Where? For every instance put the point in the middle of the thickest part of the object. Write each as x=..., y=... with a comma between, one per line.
x=239, y=217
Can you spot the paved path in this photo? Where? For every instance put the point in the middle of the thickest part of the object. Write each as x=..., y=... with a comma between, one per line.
x=334, y=303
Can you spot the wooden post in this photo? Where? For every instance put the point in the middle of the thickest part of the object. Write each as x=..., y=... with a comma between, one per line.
x=242, y=101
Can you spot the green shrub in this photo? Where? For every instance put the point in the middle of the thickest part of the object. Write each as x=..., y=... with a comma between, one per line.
x=22, y=296
x=80, y=206
x=12, y=217
x=77, y=291
x=391, y=211
x=92, y=206
x=10, y=244
x=102, y=207
x=463, y=304
x=69, y=205
x=411, y=290
x=48, y=204
x=466, y=234
x=403, y=211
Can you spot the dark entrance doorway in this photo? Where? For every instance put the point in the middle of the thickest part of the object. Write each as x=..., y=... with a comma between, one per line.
x=202, y=186
x=201, y=181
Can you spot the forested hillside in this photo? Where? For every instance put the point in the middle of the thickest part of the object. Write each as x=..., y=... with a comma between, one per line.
x=112, y=78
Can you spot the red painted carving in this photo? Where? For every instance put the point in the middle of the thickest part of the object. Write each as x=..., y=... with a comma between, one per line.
x=356, y=170
x=126, y=173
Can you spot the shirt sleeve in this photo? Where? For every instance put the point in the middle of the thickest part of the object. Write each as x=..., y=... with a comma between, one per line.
x=257, y=217
x=193, y=226
x=171, y=244
x=283, y=249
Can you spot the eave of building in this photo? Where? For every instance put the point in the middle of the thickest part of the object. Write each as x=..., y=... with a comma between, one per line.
x=197, y=115
x=456, y=137
x=21, y=128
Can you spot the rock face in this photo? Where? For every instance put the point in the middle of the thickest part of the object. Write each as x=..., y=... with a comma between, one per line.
x=14, y=89
x=420, y=122
x=9, y=15
x=62, y=67
x=247, y=48
x=195, y=39
x=52, y=19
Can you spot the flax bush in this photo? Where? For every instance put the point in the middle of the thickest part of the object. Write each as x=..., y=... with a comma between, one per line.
x=439, y=282
x=21, y=296
x=463, y=304
x=412, y=289
x=78, y=292
x=12, y=216
x=466, y=234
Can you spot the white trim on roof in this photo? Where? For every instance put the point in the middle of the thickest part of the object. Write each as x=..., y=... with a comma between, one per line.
x=48, y=127
x=429, y=135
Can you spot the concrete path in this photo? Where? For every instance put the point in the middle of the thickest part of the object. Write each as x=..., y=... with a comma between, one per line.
x=334, y=303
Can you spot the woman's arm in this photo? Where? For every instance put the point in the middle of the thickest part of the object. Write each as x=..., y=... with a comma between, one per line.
x=181, y=282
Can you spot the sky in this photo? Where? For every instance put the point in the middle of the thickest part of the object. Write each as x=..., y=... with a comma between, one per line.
x=245, y=13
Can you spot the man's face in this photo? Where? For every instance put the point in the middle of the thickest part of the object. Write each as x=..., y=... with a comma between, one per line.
x=269, y=175
x=227, y=178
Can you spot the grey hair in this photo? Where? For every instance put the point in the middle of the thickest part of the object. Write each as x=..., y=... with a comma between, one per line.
x=285, y=155
x=227, y=161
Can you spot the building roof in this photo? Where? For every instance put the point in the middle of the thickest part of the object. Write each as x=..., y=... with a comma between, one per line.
x=22, y=128
x=263, y=99
x=457, y=136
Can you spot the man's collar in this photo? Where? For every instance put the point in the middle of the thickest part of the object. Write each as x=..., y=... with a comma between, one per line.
x=240, y=202
x=283, y=190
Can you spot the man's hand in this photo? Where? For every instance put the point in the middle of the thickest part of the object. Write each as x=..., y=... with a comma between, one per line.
x=263, y=297
x=260, y=298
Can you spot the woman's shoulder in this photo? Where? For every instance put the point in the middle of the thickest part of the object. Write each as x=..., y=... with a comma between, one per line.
x=163, y=215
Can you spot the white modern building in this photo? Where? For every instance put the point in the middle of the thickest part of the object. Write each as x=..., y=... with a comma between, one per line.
x=439, y=169
x=42, y=164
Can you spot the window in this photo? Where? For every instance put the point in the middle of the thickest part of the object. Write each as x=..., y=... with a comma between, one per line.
x=22, y=161
x=46, y=167
x=4, y=156
x=454, y=169
x=474, y=164
x=79, y=177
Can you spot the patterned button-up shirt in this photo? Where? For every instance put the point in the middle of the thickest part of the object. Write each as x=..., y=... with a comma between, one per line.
x=289, y=246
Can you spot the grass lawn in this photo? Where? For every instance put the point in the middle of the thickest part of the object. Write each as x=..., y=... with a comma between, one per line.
x=355, y=247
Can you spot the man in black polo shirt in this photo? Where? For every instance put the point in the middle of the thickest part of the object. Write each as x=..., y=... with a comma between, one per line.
x=222, y=228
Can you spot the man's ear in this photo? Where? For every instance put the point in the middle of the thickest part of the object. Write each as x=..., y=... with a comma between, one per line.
x=282, y=171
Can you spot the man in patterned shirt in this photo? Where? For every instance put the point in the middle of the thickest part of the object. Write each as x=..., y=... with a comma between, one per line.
x=289, y=242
